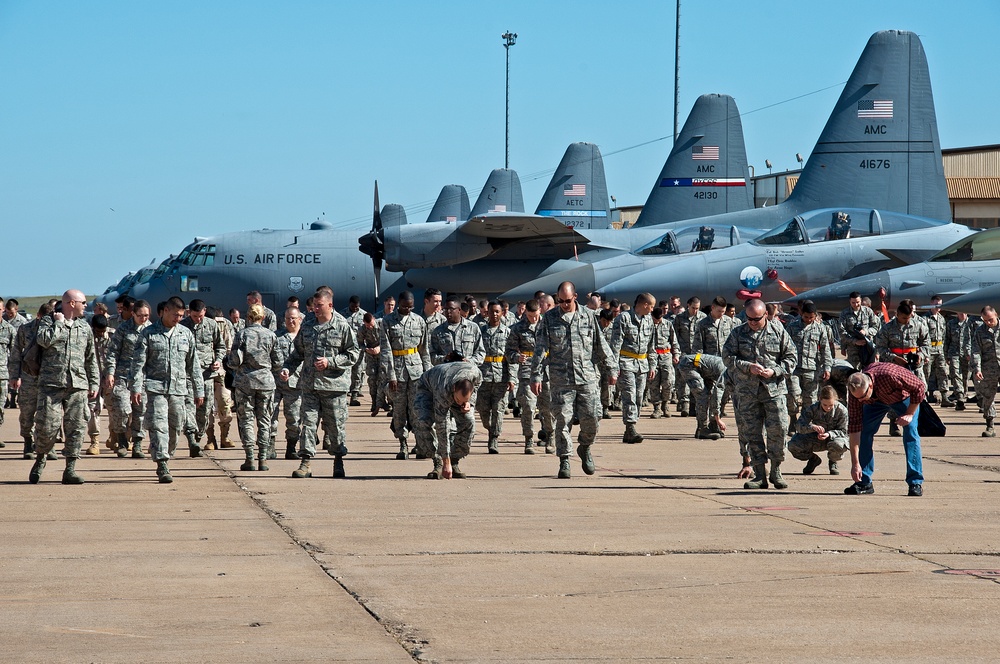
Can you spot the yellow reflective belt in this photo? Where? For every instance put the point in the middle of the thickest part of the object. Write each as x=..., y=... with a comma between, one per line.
x=494, y=358
x=634, y=356
x=405, y=351
x=697, y=359
x=528, y=353
x=937, y=343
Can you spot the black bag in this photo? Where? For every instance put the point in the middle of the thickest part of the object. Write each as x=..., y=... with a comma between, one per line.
x=31, y=359
x=929, y=425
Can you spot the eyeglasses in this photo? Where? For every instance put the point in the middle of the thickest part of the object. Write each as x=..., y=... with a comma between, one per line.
x=566, y=301
x=756, y=320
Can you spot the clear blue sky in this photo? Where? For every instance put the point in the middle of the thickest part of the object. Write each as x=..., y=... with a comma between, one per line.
x=127, y=128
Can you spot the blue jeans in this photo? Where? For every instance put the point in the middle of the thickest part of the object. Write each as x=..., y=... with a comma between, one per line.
x=873, y=414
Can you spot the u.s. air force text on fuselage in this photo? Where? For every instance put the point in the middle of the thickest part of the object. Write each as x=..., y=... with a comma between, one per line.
x=272, y=259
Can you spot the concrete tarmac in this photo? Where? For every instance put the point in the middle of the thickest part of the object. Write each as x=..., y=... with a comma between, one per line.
x=662, y=555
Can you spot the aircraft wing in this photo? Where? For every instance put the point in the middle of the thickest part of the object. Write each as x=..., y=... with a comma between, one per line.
x=520, y=226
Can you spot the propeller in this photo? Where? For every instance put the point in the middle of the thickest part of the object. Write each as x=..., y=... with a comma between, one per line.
x=372, y=243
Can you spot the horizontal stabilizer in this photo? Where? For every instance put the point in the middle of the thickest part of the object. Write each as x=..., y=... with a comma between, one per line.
x=507, y=226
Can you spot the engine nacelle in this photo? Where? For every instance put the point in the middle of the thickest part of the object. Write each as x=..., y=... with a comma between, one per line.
x=434, y=244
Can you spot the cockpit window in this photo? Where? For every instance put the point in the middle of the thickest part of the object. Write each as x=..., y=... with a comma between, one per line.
x=983, y=246
x=198, y=255
x=790, y=233
x=664, y=245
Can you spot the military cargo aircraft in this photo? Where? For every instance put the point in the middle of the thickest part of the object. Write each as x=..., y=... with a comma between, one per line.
x=965, y=274
x=810, y=250
x=879, y=150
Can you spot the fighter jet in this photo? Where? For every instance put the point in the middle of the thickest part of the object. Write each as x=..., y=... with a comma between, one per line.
x=705, y=174
x=965, y=274
x=810, y=250
x=222, y=269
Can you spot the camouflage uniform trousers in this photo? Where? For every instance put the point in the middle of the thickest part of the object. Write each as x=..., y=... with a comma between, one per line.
x=223, y=406
x=707, y=396
x=580, y=400
x=633, y=387
x=402, y=406
x=958, y=375
x=62, y=410
x=530, y=404
x=803, y=445
x=291, y=402
x=662, y=386
x=854, y=355
x=606, y=389
x=3, y=394
x=376, y=386
x=203, y=413
x=742, y=435
x=937, y=368
x=491, y=402
x=357, y=375
x=756, y=413
x=683, y=390
x=124, y=416
x=451, y=438
x=95, y=406
x=803, y=390
x=331, y=408
x=165, y=420
x=986, y=391
x=254, y=409
x=27, y=402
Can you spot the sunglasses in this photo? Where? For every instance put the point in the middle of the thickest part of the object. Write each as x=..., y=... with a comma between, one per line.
x=564, y=301
x=756, y=320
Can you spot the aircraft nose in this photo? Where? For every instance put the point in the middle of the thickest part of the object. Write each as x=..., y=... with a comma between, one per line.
x=834, y=298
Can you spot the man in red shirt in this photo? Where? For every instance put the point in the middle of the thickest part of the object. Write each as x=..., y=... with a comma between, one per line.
x=881, y=388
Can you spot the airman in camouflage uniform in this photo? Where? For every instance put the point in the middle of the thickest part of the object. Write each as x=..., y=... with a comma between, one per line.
x=270, y=318
x=326, y=350
x=705, y=377
x=711, y=334
x=355, y=317
x=632, y=343
x=758, y=356
x=986, y=366
x=812, y=343
x=958, y=352
x=491, y=397
x=102, y=338
x=26, y=384
x=667, y=348
x=7, y=337
x=569, y=341
x=456, y=335
x=860, y=325
x=223, y=405
x=67, y=379
x=520, y=351
x=404, y=358
x=685, y=325
x=445, y=424
x=211, y=351
x=936, y=366
x=125, y=418
x=254, y=358
x=287, y=395
x=432, y=313
x=165, y=368
x=606, y=320
x=822, y=427
x=368, y=340
x=905, y=341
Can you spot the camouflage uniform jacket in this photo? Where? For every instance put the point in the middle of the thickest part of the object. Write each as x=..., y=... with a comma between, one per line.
x=404, y=347
x=709, y=366
x=834, y=422
x=466, y=337
x=228, y=331
x=16, y=321
x=355, y=320
x=25, y=337
x=101, y=344
x=509, y=319
x=254, y=358
x=812, y=343
x=208, y=341
x=710, y=335
x=121, y=348
x=632, y=341
x=521, y=341
x=685, y=325
x=770, y=347
x=440, y=382
x=368, y=337
x=69, y=360
x=283, y=345
x=165, y=360
x=270, y=320
x=333, y=340
x=435, y=319
x=575, y=346
x=937, y=328
x=665, y=344
x=7, y=337
x=494, y=367
x=985, y=349
x=958, y=339
x=863, y=320
x=901, y=337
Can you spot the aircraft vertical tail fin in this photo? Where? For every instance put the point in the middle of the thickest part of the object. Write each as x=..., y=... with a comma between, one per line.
x=880, y=147
x=577, y=194
x=393, y=215
x=452, y=204
x=502, y=193
x=706, y=172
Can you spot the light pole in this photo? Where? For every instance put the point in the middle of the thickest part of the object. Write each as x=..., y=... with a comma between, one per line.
x=509, y=39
